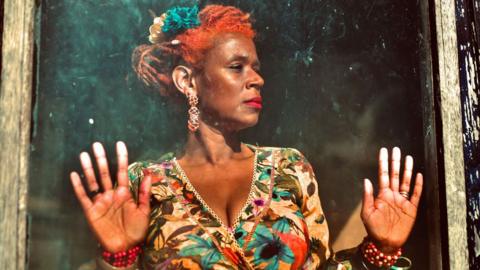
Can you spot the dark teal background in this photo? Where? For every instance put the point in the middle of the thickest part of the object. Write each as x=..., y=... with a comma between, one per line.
x=343, y=78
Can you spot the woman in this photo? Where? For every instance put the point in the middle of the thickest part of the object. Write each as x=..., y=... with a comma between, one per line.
x=223, y=204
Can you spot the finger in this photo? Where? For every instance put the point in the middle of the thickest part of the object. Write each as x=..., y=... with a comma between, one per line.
x=82, y=197
x=417, y=190
x=102, y=164
x=144, y=195
x=395, y=168
x=88, y=171
x=122, y=157
x=407, y=174
x=383, y=169
x=368, y=200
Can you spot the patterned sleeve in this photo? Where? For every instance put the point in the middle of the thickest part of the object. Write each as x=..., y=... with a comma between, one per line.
x=320, y=256
x=155, y=168
x=135, y=176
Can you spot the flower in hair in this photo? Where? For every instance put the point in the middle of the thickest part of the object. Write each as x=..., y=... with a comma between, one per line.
x=173, y=22
x=180, y=19
x=156, y=33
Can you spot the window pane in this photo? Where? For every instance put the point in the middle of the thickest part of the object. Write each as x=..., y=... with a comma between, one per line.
x=342, y=79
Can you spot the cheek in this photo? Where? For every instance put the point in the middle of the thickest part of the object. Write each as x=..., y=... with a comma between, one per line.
x=221, y=101
x=222, y=96
x=221, y=93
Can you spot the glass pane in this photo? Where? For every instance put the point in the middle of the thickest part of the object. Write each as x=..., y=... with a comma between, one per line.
x=342, y=79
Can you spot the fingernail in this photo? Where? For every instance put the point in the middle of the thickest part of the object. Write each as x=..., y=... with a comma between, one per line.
x=366, y=184
x=84, y=156
x=409, y=160
x=121, y=147
x=97, y=147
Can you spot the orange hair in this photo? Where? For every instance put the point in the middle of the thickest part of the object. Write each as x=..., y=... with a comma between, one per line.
x=154, y=63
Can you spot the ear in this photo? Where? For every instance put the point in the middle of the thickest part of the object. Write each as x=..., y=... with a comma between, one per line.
x=183, y=79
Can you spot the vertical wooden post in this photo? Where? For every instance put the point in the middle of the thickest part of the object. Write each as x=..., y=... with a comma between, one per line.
x=432, y=188
x=451, y=129
x=15, y=111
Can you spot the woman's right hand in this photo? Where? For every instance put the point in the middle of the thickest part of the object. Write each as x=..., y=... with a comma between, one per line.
x=119, y=223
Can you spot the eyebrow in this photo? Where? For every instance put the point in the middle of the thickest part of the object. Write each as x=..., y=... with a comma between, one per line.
x=244, y=58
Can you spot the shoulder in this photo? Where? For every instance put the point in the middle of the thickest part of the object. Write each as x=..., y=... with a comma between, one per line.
x=293, y=162
x=287, y=160
x=156, y=168
x=280, y=149
x=283, y=153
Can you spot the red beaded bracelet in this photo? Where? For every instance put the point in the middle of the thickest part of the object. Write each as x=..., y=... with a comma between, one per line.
x=122, y=258
x=374, y=256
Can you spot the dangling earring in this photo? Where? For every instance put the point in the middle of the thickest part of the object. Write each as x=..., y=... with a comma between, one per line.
x=193, y=113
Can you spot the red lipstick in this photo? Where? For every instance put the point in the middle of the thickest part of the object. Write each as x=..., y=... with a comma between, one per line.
x=255, y=102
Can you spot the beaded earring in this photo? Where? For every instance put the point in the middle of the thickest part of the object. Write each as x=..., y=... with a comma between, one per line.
x=193, y=113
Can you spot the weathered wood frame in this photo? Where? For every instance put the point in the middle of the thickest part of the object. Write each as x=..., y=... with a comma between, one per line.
x=450, y=154
x=16, y=89
x=15, y=111
x=432, y=188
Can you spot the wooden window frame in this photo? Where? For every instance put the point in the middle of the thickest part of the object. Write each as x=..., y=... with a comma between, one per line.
x=442, y=133
x=450, y=161
x=15, y=117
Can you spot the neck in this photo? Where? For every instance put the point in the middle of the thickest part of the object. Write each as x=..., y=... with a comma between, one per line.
x=211, y=145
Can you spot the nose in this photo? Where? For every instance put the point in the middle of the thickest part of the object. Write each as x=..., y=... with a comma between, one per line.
x=255, y=81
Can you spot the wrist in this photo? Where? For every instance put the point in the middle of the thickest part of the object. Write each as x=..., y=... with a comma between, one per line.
x=380, y=258
x=103, y=265
x=383, y=247
x=123, y=258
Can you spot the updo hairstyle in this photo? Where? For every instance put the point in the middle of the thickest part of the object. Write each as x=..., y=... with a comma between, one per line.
x=154, y=63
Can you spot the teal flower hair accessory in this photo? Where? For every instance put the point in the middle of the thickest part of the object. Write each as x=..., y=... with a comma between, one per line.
x=173, y=22
x=179, y=19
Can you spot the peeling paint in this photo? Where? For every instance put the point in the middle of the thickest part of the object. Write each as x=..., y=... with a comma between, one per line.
x=469, y=61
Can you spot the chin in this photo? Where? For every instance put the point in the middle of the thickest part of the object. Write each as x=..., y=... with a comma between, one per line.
x=237, y=122
x=248, y=123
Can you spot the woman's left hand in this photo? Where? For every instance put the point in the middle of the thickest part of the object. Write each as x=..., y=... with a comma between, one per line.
x=389, y=217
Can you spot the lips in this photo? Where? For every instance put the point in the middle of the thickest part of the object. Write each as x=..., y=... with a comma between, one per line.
x=255, y=102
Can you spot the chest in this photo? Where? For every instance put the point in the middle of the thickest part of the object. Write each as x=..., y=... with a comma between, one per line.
x=224, y=189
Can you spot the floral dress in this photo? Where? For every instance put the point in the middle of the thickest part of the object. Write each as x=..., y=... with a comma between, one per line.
x=281, y=226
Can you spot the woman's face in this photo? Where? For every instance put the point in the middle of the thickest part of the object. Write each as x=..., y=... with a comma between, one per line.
x=229, y=84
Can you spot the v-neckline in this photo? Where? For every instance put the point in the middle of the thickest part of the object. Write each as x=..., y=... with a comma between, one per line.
x=199, y=197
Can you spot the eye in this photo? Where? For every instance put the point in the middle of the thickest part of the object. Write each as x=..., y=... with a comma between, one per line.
x=236, y=67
